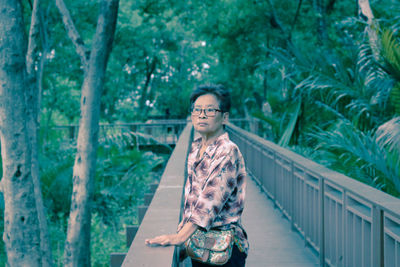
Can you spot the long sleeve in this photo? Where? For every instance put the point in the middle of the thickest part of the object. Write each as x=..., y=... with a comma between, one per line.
x=218, y=188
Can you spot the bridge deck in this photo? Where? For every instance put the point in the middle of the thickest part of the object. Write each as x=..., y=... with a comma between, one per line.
x=272, y=242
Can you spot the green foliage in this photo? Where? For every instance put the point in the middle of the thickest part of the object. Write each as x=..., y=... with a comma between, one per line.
x=122, y=174
x=147, y=33
x=390, y=53
x=107, y=239
x=147, y=68
x=348, y=150
x=338, y=82
x=388, y=136
x=56, y=164
x=122, y=177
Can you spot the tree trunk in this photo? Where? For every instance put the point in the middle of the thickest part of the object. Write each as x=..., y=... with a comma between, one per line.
x=21, y=227
x=34, y=65
x=330, y=6
x=296, y=16
x=276, y=23
x=77, y=246
x=321, y=21
x=73, y=33
x=150, y=68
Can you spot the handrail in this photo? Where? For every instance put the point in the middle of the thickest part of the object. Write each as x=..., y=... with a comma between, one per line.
x=145, y=133
x=163, y=214
x=150, y=123
x=347, y=222
x=160, y=131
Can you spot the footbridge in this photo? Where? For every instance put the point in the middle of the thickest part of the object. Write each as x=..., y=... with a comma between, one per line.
x=297, y=212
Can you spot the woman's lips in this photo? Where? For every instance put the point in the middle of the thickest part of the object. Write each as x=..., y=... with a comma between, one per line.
x=202, y=124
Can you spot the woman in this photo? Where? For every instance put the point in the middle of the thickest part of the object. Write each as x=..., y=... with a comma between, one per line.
x=215, y=187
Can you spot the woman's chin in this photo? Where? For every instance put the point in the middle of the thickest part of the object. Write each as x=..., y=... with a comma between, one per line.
x=202, y=131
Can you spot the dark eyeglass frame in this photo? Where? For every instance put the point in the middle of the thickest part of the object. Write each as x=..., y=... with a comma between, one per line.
x=206, y=110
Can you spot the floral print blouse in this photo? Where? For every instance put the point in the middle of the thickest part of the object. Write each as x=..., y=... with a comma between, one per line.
x=215, y=188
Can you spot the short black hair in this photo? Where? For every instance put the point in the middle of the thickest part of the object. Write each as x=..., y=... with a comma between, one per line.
x=222, y=94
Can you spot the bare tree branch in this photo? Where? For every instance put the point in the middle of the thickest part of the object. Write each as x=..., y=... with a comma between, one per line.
x=73, y=33
x=276, y=23
x=274, y=19
x=77, y=245
x=32, y=55
x=34, y=69
x=150, y=68
x=296, y=16
x=45, y=49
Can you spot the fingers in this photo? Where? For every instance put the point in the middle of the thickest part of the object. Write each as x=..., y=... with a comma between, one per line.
x=158, y=241
x=152, y=245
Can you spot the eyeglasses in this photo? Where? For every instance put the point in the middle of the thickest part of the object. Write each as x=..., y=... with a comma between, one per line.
x=209, y=112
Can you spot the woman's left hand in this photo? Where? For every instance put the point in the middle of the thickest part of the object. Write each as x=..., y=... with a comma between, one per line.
x=173, y=239
x=164, y=240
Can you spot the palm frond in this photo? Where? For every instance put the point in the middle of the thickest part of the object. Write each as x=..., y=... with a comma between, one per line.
x=388, y=135
x=330, y=109
x=358, y=155
x=268, y=120
x=390, y=51
x=130, y=139
x=287, y=134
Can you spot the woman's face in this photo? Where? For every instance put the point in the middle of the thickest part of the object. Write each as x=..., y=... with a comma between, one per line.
x=205, y=122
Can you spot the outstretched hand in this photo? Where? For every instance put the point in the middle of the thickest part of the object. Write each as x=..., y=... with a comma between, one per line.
x=164, y=240
x=173, y=239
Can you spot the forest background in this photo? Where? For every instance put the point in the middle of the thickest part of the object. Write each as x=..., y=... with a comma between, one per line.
x=322, y=77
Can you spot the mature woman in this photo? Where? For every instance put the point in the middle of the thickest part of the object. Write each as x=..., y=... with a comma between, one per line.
x=215, y=187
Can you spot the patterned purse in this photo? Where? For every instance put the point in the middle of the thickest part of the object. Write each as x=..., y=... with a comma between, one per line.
x=212, y=247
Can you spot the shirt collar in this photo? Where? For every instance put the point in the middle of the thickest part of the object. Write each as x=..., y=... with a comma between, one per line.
x=210, y=150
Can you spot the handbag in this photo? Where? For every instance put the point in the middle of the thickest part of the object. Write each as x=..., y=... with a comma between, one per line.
x=212, y=247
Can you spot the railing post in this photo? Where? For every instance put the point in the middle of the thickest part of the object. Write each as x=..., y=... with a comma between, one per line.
x=153, y=187
x=141, y=212
x=322, y=221
x=377, y=237
x=147, y=198
x=274, y=181
x=131, y=231
x=261, y=169
x=291, y=184
x=71, y=130
x=344, y=223
x=116, y=259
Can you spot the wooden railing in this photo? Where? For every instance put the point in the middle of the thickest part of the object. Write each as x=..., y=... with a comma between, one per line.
x=347, y=222
x=163, y=214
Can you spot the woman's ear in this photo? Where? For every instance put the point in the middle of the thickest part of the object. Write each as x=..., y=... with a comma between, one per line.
x=225, y=118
